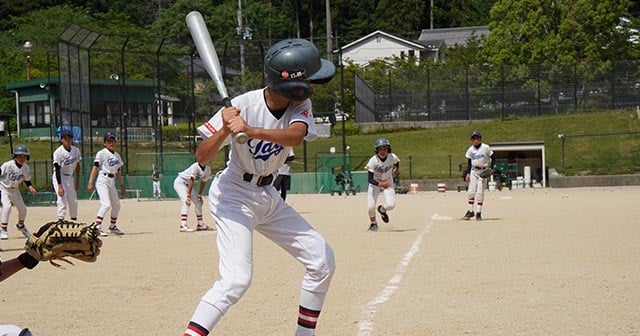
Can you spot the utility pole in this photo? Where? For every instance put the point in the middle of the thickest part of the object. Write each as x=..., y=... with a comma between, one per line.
x=240, y=32
x=329, y=43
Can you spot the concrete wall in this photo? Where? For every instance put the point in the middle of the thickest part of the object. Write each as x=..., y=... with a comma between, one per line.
x=559, y=181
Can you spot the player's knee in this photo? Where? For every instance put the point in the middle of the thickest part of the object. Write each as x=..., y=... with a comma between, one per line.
x=390, y=205
x=238, y=286
x=322, y=269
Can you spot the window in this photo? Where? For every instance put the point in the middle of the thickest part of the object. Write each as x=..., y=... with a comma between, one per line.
x=35, y=114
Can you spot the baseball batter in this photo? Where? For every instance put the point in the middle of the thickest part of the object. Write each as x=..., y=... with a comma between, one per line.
x=242, y=199
x=12, y=173
x=184, y=185
x=106, y=166
x=381, y=168
x=66, y=176
x=479, y=158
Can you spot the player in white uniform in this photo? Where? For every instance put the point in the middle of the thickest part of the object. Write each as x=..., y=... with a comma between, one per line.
x=66, y=176
x=479, y=158
x=184, y=185
x=242, y=199
x=283, y=179
x=12, y=173
x=381, y=168
x=107, y=167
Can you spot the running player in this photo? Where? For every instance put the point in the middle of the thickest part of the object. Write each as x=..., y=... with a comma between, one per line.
x=381, y=168
x=107, y=167
x=480, y=158
x=12, y=173
x=242, y=198
x=66, y=176
x=184, y=185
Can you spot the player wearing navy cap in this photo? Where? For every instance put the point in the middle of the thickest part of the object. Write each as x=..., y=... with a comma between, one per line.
x=242, y=199
x=66, y=175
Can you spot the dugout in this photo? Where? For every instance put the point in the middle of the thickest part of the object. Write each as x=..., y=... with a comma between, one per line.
x=513, y=157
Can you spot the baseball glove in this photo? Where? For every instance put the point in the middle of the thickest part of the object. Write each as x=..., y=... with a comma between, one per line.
x=60, y=239
x=486, y=173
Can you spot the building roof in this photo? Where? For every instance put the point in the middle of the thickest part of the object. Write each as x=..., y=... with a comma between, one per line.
x=450, y=36
x=380, y=33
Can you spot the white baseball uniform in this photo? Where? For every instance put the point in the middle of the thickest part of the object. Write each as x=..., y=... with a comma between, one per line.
x=242, y=199
x=382, y=171
x=108, y=165
x=480, y=159
x=68, y=160
x=10, y=178
x=181, y=186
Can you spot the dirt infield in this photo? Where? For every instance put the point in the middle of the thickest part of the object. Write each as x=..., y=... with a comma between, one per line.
x=543, y=262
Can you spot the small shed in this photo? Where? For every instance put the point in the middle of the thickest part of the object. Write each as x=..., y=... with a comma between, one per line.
x=514, y=158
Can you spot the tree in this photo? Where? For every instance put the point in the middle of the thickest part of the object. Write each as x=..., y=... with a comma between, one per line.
x=548, y=31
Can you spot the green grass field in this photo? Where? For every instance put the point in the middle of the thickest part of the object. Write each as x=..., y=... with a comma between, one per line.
x=610, y=145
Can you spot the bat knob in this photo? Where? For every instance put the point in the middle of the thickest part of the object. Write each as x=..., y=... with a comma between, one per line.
x=240, y=138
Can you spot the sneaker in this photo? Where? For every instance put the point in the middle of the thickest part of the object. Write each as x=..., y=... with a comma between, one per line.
x=115, y=230
x=102, y=233
x=478, y=216
x=185, y=228
x=384, y=215
x=373, y=227
x=204, y=227
x=23, y=229
x=468, y=215
x=4, y=235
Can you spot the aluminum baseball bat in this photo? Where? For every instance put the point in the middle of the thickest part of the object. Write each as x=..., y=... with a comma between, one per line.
x=209, y=57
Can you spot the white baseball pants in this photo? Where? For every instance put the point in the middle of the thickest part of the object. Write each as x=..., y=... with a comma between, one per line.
x=372, y=198
x=10, y=196
x=70, y=198
x=182, y=189
x=106, y=189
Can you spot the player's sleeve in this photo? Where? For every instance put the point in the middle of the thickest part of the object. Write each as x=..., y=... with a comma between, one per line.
x=212, y=126
x=302, y=113
x=371, y=165
x=396, y=159
x=468, y=153
x=27, y=173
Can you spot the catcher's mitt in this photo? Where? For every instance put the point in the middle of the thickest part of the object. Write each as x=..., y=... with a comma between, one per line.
x=486, y=173
x=60, y=239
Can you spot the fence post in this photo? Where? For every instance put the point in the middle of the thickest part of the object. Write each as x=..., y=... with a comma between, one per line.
x=466, y=87
x=449, y=166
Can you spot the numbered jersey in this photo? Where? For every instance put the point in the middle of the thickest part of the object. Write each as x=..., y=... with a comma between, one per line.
x=257, y=156
x=480, y=157
x=67, y=159
x=11, y=175
x=109, y=162
x=382, y=169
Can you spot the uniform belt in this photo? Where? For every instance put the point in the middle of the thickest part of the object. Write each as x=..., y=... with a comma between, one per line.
x=479, y=168
x=260, y=181
x=108, y=175
x=67, y=174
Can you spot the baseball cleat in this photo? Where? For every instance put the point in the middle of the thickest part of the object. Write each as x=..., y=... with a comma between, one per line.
x=185, y=228
x=24, y=230
x=468, y=215
x=383, y=214
x=478, y=216
x=204, y=227
x=115, y=230
x=373, y=227
x=102, y=233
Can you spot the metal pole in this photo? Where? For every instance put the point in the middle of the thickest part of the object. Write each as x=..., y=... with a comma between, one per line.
x=341, y=65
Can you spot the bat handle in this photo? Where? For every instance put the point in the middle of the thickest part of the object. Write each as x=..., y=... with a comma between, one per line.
x=238, y=137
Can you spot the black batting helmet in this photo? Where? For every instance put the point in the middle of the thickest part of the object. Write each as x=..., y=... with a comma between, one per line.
x=292, y=65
